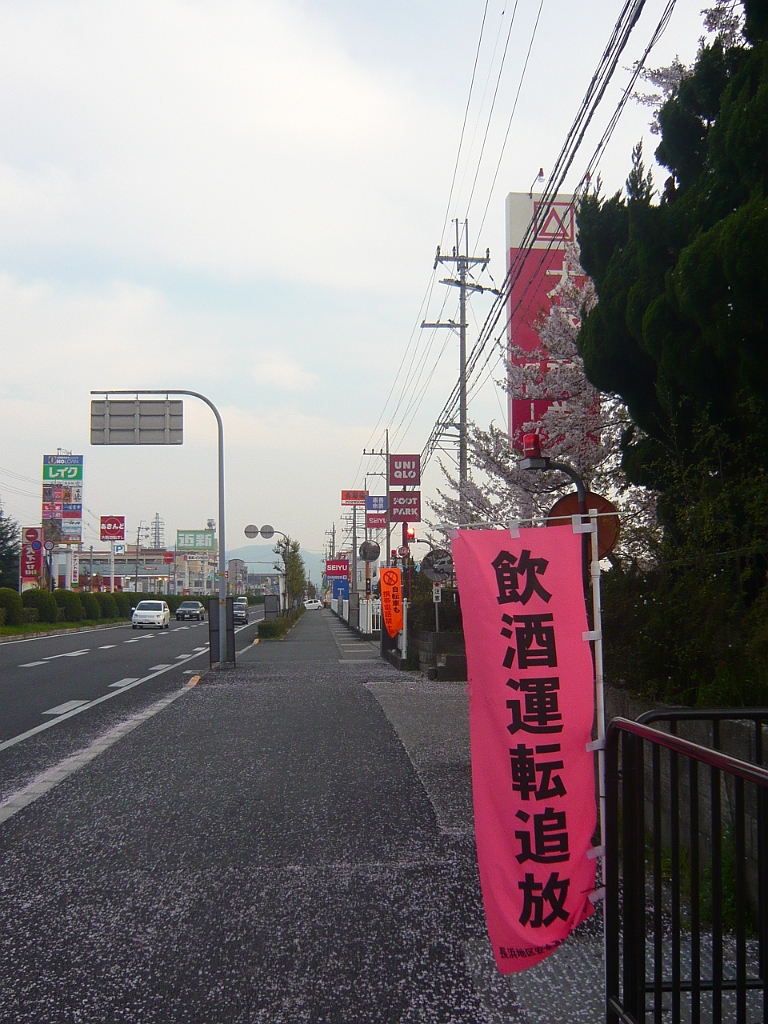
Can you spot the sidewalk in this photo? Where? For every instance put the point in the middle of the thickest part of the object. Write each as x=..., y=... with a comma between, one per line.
x=287, y=842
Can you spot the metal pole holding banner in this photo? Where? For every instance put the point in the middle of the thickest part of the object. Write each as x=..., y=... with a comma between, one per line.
x=595, y=636
x=111, y=567
x=222, y=543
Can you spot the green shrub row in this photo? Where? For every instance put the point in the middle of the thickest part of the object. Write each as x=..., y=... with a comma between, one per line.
x=75, y=606
x=278, y=629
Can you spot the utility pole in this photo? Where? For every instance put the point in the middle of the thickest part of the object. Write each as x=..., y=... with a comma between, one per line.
x=463, y=262
x=385, y=453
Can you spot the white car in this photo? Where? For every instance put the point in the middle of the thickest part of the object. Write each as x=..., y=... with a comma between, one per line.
x=151, y=613
x=313, y=606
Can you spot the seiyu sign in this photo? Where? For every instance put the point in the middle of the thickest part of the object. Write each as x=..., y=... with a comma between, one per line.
x=112, y=528
x=406, y=506
x=404, y=470
x=336, y=568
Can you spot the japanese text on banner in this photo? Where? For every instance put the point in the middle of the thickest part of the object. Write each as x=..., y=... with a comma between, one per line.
x=531, y=712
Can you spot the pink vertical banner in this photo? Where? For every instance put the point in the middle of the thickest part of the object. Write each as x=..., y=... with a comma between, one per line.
x=531, y=700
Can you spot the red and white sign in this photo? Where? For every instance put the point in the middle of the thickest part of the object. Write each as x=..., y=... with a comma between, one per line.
x=404, y=470
x=537, y=273
x=112, y=528
x=353, y=497
x=531, y=706
x=31, y=555
x=406, y=506
x=376, y=520
x=336, y=568
x=168, y=557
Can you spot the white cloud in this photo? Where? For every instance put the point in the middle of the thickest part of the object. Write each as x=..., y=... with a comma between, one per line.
x=234, y=137
x=282, y=373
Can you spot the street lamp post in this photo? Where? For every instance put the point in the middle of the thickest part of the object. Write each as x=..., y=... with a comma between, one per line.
x=268, y=532
x=222, y=545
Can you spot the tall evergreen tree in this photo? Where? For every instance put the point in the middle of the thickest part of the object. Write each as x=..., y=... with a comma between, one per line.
x=9, y=551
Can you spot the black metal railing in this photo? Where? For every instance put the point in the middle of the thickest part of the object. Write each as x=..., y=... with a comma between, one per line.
x=714, y=718
x=686, y=875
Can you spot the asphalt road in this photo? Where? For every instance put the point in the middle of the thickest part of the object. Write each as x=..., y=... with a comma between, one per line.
x=44, y=680
x=260, y=849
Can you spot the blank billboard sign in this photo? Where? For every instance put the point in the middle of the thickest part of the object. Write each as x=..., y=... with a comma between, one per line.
x=137, y=421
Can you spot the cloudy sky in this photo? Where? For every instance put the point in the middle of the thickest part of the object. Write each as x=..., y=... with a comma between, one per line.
x=243, y=198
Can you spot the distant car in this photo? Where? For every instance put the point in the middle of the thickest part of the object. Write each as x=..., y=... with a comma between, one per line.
x=313, y=605
x=190, y=610
x=241, y=613
x=151, y=613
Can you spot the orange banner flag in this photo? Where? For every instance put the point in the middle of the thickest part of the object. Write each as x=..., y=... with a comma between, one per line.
x=392, y=600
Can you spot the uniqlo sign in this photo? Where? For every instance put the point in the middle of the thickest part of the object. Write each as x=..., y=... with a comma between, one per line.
x=406, y=506
x=337, y=568
x=404, y=470
x=31, y=554
x=112, y=527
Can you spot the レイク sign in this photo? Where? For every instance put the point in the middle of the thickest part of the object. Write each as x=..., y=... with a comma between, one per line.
x=112, y=527
x=404, y=470
x=531, y=709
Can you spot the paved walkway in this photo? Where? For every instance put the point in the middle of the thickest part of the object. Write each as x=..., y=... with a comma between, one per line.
x=288, y=842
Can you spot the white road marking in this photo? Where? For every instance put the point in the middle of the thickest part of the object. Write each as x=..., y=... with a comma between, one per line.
x=85, y=707
x=154, y=668
x=201, y=648
x=69, y=654
x=63, y=708
x=53, y=776
x=32, y=664
x=133, y=641
x=181, y=657
x=123, y=682
x=107, y=647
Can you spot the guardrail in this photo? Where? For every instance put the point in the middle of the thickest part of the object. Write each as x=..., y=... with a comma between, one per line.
x=681, y=895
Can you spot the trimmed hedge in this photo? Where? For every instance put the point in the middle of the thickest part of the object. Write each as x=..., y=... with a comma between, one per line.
x=44, y=602
x=107, y=606
x=10, y=600
x=123, y=603
x=90, y=605
x=70, y=607
x=277, y=630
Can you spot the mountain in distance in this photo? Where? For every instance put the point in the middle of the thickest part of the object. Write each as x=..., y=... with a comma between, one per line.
x=261, y=558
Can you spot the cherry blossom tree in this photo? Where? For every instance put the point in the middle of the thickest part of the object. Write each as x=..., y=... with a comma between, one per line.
x=580, y=427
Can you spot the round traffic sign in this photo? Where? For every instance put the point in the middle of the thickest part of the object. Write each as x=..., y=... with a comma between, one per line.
x=251, y=532
x=36, y=545
x=267, y=532
x=608, y=527
x=49, y=545
x=437, y=565
x=403, y=550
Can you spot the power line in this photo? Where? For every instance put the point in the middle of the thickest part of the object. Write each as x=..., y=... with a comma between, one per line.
x=595, y=92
